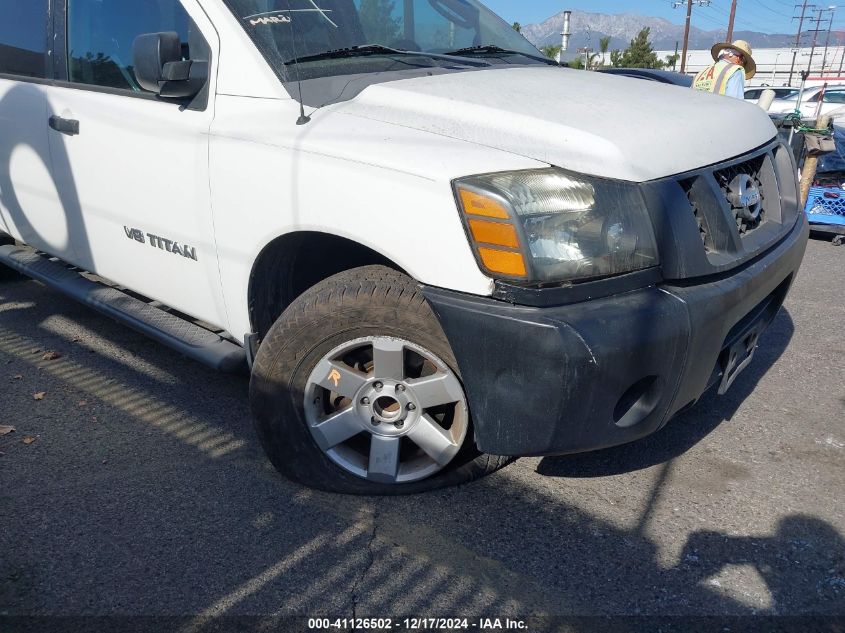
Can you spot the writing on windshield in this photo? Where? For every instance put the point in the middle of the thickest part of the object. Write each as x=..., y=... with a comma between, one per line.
x=285, y=16
x=305, y=30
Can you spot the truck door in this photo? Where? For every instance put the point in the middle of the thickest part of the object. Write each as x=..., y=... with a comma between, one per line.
x=31, y=207
x=138, y=162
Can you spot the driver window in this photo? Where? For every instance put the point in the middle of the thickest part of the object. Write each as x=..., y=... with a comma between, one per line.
x=101, y=34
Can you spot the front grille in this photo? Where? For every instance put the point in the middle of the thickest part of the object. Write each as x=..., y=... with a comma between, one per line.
x=738, y=207
x=700, y=219
x=731, y=180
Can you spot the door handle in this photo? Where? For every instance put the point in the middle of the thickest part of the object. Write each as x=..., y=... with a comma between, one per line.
x=65, y=126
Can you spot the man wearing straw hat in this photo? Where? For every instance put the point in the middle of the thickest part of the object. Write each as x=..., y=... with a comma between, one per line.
x=733, y=65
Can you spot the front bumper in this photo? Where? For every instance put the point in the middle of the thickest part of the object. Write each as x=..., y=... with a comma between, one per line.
x=603, y=372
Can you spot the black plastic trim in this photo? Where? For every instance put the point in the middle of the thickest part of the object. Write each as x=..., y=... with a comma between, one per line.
x=120, y=92
x=737, y=160
x=26, y=79
x=59, y=39
x=575, y=293
x=251, y=343
x=187, y=338
x=742, y=266
x=581, y=368
x=682, y=254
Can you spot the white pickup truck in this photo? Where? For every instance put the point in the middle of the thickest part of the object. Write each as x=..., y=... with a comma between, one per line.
x=432, y=247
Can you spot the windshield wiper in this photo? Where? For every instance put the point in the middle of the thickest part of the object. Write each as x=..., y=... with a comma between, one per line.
x=491, y=50
x=377, y=49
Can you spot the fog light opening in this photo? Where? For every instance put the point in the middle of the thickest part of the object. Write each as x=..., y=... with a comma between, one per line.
x=638, y=402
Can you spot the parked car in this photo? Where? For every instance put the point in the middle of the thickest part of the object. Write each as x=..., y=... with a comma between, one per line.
x=650, y=74
x=834, y=98
x=753, y=94
x=427, y=258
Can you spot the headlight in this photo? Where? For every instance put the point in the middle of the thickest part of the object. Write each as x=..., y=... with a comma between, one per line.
x=548, y=225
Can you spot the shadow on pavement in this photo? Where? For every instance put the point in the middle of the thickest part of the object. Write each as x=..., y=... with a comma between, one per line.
x=142, y=512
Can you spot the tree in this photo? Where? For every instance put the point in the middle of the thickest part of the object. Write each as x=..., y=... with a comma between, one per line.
x=639, y=54
x=578, y=62
x=672, y=60
x=379, y=24
x=604, y=44
x=517, y=27
x=551, y=51
x=616, y=58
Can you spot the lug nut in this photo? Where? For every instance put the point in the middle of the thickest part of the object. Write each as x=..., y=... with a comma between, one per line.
x=375, y=422
x=400, y=424
x=412, y=406
x=400, y=388
x=378, y=386
x=365, y=401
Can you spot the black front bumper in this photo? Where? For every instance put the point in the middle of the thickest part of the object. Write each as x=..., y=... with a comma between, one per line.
x=602, y=372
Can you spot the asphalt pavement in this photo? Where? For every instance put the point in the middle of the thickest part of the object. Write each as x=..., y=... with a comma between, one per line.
x=133, y=485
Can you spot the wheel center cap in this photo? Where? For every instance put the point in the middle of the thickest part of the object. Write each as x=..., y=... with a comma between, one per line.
x=386, y=407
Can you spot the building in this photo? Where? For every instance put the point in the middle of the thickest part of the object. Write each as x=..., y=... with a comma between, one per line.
x=774, y=64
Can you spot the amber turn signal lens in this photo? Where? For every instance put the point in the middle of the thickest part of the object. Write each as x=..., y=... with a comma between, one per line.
x=503, y=262
x=476, y=204
x=494, y=233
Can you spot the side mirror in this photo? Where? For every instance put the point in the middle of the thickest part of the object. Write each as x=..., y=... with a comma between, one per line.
x=159, y=68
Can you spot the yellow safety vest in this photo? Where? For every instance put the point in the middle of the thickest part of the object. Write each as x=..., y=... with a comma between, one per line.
x=715, y=78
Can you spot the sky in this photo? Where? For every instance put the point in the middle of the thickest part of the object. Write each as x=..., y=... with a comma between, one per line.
x=767, y=16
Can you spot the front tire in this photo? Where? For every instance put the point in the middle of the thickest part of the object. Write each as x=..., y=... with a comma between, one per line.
x=355, y=389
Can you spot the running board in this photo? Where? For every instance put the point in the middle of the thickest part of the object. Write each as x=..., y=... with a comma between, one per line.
x=183, y=336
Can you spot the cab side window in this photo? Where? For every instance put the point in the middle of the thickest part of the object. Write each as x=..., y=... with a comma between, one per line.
x=23, y=37
x=101, y=34
x=835, y=96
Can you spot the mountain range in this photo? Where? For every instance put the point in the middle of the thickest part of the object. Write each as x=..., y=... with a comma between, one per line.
x=588, y=28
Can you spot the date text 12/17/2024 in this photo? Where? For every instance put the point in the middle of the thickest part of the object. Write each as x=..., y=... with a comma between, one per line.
x=417, y=624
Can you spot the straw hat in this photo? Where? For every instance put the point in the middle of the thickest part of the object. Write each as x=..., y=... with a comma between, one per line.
x=741, y=45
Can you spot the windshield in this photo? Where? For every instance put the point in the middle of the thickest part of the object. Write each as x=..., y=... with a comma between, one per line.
x=292, y=34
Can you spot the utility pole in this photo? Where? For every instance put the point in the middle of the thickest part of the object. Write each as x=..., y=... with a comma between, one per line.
x=841, y=61
x=689, y=3
x=804, y=8
x=586, y=52
x=686, y=37
x=827, y=40
x=818, y=20
x=730, y=37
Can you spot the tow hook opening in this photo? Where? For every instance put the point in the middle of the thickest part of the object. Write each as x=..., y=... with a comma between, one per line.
x=638, y=402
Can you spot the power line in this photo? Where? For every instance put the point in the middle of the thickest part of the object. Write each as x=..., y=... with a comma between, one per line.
x=818, y=20
x=689, y=3
x=804, y=8
x=832, y=10
x=772, y=10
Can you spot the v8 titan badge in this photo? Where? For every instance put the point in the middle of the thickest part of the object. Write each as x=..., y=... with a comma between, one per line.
x=170, y=246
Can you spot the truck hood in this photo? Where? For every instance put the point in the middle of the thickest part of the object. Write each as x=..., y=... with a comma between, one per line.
x=592, y=123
